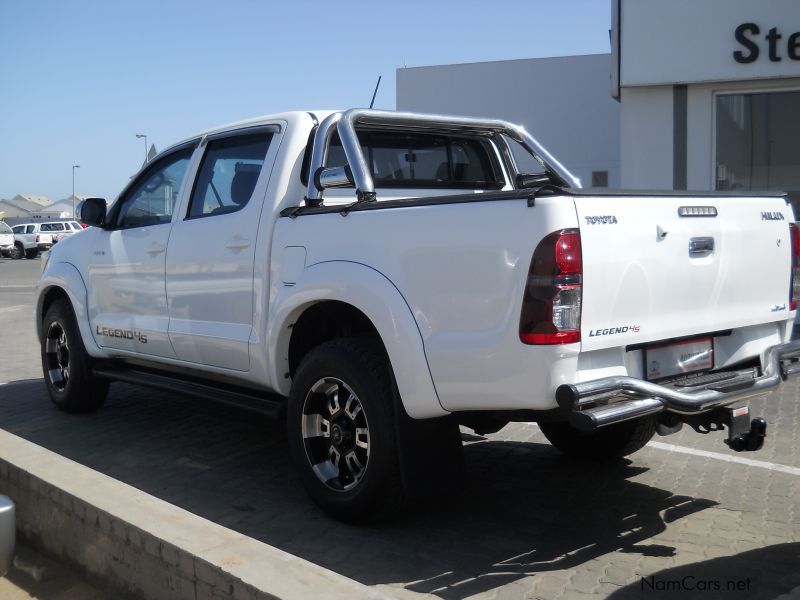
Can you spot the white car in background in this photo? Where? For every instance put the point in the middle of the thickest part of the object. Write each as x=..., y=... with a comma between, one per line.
x=25, y=243
x=6, y=239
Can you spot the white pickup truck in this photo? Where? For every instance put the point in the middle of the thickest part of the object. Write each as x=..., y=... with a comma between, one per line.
x=380, y=278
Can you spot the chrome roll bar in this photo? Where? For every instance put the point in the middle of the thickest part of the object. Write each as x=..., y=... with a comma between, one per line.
x=344, y=123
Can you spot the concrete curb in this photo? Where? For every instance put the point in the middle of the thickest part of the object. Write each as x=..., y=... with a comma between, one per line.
x=144, y=547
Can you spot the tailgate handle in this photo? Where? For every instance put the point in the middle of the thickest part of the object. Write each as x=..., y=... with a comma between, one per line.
x=701, y=245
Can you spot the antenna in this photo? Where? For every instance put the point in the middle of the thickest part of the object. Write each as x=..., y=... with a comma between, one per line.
x=375, y=93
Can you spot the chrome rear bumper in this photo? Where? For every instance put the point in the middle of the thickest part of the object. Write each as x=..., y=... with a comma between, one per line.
x=593, y=404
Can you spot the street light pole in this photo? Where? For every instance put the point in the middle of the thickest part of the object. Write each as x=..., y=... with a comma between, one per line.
x=142, y=135
x=73, y=188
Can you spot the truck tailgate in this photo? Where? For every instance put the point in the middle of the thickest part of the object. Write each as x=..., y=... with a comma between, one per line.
x=643, y=282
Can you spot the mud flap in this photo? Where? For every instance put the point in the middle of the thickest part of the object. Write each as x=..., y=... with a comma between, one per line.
x=431, y=454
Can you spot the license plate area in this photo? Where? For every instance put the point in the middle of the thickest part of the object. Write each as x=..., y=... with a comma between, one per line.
x=678, y=358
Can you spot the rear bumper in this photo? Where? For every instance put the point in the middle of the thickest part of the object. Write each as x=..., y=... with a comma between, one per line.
x=593, y=404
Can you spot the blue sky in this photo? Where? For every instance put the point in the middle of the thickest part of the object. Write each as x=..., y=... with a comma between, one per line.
x=79, y=79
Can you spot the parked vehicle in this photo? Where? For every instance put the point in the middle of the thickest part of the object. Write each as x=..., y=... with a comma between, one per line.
x=381, y=278
x=58, y=230
x=6, y=240
x=25, y=240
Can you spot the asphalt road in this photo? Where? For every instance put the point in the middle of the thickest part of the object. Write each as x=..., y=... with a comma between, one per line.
x=684, y=517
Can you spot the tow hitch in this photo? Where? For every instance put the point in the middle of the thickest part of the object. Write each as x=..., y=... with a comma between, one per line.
x=744, y=435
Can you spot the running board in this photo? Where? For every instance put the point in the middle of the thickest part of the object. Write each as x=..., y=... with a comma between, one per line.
x=271, y=405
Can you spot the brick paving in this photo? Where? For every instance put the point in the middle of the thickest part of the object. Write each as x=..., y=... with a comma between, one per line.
x=530, y=523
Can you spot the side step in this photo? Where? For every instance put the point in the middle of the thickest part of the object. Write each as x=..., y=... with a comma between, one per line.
x=270, y=405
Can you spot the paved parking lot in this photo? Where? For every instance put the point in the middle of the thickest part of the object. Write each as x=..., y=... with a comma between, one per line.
x=677, y=519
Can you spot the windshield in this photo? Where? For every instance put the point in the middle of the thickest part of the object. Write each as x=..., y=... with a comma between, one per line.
x=5, y=228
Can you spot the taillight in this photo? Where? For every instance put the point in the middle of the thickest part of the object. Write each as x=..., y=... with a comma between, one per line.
x=551, y=306
x=794, y=292
x=37, y=238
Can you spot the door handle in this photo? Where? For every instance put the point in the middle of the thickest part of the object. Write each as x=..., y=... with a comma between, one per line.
x=156, y=249
x=238, y=244
x=701, y=245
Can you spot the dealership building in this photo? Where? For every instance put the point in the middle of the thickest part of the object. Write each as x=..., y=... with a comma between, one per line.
x=694, y=94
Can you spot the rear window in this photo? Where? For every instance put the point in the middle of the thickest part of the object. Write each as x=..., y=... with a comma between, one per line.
x=52, y=227
x=424, y=160
x=5, y=228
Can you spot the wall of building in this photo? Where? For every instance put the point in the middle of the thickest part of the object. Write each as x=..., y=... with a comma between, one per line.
x=646, y=138
x=563, y=102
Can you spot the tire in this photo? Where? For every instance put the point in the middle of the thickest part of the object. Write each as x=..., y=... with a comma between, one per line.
x=17, y=252
x=344, y=450
x=32, y=253
x=65, y=364
x=612, y=441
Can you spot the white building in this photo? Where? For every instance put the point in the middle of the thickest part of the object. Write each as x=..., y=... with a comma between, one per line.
x=709, y=93
x=564, y=102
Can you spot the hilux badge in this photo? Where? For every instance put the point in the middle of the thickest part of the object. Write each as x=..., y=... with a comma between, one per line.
x=778, y=307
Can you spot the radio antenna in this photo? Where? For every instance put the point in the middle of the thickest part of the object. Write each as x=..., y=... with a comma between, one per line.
x=375, y=93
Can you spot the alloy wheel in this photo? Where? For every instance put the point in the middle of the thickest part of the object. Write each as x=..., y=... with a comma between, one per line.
x=335, y=434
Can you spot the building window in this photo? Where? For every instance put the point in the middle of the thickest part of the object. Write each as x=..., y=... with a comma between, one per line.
x=599, y=178
x=756, y=142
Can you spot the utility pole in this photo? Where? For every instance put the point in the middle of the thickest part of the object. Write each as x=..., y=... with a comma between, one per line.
x=73, y=188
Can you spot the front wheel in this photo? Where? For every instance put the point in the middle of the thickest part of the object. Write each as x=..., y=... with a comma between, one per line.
x=341, y=433
x=67, y=374
x=18, y=251
x=612, y=441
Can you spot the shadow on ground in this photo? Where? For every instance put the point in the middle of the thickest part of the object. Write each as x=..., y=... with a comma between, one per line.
x=526, y=509
x=778, y=572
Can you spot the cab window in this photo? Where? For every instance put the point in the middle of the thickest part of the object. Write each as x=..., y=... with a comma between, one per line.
x=18, y=229
x=424, y=160
x=151, y=200
x=228, y=174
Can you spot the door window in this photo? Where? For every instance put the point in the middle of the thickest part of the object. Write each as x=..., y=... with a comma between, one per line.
x=30, y=229
x=151, y=200
x=19, y=229
x=228, y=174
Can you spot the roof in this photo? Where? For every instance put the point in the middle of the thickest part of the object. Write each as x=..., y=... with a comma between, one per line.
x=290, y=117
x=22, y=204
x=11, y=210
x=40, y=200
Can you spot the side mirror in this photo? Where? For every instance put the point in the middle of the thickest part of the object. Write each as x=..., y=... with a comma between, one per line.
x=92, y=212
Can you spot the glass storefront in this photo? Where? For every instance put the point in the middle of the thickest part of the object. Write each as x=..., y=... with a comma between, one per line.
x=758, y=143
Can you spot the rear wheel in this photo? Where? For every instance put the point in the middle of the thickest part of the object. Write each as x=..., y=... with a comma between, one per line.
x=65, y=364
x=341, y=431
x=32, y=253
x=612, y=441
x=18, y=251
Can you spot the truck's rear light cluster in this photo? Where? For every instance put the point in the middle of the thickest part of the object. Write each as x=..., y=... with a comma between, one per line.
x=551, y=306
x=37, y=238
x=795, y=290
